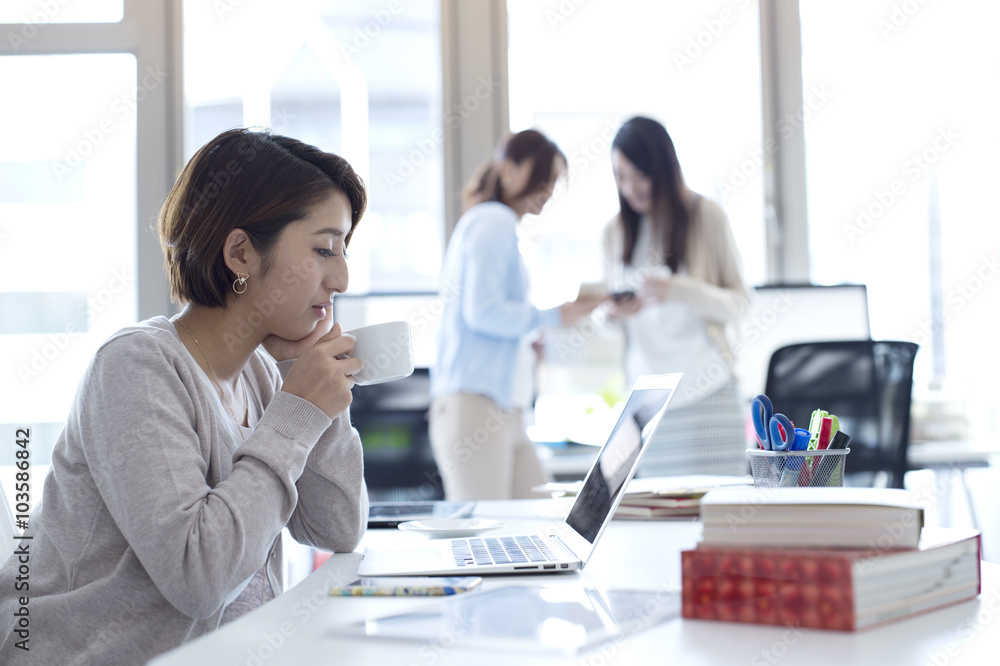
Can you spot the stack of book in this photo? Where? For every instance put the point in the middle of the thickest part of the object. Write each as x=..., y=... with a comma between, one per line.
x=653, y=506
x=650, y=498
x=824, y=558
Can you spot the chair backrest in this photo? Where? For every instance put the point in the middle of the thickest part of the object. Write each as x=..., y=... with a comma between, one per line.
x=786, y=314
x=6, y=518
x=866, y=383
x=392, y=421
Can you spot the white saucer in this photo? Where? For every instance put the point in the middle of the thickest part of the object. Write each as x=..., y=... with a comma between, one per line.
x=450, y=528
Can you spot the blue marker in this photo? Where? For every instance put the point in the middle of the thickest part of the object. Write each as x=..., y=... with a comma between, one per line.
x=793, y=464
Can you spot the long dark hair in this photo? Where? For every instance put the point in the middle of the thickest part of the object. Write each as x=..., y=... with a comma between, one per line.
x=645, y=143
x=486, y=185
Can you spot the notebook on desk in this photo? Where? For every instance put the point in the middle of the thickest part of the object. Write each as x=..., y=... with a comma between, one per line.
x=574, y=541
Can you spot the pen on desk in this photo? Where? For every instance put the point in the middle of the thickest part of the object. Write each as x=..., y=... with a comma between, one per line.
x=408, y=587
x=840, y=441
x=834, y=464
x=793, y=464
x=825, y=430
x=815, y=426
x=815, y=421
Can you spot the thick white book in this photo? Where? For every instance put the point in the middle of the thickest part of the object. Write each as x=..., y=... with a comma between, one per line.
x=814, y=517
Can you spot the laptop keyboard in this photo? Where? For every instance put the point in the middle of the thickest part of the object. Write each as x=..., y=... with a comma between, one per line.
x=500, y=550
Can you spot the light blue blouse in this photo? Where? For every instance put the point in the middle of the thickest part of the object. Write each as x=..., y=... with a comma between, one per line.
x=486, y=309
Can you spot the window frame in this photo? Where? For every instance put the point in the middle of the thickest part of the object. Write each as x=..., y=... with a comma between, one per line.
x=151, y=31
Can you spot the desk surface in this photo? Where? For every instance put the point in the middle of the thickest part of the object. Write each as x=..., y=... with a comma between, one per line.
x=953, y=454
x=295, y=627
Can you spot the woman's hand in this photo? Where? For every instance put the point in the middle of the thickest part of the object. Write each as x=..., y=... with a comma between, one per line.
x=570, y=313
x=324, y=374
x=538, y=346
x=626, y=308
x=657, y=287
x=281, y=349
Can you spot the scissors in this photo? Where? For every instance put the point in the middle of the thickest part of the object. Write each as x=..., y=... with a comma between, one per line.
x=761, y=412
x=775, y=432
x=782, y=433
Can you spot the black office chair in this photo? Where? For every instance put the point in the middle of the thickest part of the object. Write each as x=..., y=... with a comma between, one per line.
x=392, y=421
x=867, y=384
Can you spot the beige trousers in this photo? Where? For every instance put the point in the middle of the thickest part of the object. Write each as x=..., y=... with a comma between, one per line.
x=483, y=451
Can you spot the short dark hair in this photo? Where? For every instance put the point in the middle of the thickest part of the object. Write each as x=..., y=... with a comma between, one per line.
x=486, y=185
x=645, y=143
x=251, y=180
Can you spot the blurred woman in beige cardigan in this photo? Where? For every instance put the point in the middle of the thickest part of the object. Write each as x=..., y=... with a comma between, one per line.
x=672, y=266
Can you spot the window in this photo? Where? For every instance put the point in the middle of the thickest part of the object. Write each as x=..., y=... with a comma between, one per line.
x=68, y=232
x=31, y=13
x=359, y=79
x=577, y=71
x=84, y=165
x=901, y=162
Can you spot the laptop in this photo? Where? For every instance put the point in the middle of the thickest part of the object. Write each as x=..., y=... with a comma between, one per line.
x=391, y=514
x=573, y=542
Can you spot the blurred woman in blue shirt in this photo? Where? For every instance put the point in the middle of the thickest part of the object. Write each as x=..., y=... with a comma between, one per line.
x=476, y=426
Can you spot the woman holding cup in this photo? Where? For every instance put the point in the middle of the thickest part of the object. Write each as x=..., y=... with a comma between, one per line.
x=195, y=440
x=675, y=275
x=476, y=425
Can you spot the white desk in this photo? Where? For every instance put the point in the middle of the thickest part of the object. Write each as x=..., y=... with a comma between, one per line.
x=957, y=454
x=294, y=628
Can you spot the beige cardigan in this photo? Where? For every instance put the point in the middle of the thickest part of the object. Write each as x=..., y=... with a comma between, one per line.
x=711, y=279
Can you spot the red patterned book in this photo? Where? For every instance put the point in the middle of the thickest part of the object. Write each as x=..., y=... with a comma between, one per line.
x=844, y=590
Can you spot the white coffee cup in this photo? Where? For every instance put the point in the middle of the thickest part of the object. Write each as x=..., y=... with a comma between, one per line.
x=384, y=350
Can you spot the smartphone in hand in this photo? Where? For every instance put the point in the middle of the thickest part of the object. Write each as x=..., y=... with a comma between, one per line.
x=622, y=296
x=399, y=586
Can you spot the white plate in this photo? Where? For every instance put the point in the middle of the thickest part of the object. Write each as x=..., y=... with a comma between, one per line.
x=450, y=528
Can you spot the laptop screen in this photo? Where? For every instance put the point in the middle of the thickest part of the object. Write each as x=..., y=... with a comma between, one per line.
x=619, y=457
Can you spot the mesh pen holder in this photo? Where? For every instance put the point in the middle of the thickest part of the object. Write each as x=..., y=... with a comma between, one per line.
x=788, y=469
